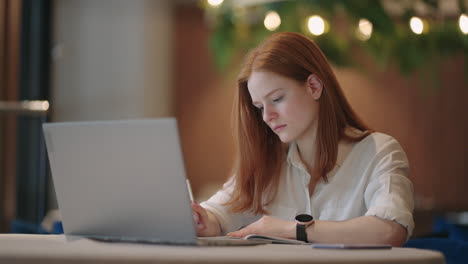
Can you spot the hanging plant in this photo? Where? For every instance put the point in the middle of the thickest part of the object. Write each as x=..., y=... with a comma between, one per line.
x=385, y=35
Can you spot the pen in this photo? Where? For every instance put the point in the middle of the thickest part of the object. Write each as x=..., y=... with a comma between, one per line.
x=189, y=188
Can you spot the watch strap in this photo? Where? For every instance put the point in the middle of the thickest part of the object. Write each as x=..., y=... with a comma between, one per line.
x=301, y=233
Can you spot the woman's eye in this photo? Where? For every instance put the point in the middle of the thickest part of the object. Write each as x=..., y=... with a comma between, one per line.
x=278, y=99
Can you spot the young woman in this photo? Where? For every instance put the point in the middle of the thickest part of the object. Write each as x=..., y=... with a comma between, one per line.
x=302, y=152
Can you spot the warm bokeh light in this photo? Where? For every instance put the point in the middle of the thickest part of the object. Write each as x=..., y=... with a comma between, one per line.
x=45, y=105
x=35, y=105
x=215, y=2
x=463, y=23
x=272, y=21
x=416, y=25
x=364, y=30
x=316, y=25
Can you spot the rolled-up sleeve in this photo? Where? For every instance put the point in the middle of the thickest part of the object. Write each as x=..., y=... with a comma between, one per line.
x=228, y=220
x=389, y=194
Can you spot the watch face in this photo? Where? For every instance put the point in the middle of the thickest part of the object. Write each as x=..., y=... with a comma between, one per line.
x=304, y=218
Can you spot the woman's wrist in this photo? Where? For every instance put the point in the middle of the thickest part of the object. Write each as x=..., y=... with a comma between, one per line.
x=290, y=230
x=213, y=227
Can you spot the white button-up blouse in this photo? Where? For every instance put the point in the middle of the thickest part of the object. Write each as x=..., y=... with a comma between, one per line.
x=372, y=179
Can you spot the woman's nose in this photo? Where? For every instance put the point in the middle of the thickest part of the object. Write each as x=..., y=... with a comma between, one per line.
x=268, y=114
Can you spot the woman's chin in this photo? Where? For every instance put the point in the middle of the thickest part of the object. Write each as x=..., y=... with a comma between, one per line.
x=285, y=139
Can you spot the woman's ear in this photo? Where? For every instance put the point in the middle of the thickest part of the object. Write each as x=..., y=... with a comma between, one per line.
x=315, y=86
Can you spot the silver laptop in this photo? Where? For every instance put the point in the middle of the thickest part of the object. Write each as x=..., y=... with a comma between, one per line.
x=123, y=181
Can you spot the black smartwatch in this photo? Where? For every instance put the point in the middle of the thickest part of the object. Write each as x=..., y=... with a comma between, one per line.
x=302, y=222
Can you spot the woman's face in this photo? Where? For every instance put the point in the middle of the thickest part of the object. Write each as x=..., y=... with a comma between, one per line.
x=288, y=107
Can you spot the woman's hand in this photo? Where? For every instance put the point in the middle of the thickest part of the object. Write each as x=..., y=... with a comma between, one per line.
x=269, y=226
x=205, y=222
x=200, y=217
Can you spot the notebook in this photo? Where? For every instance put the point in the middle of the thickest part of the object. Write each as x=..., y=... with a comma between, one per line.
x=123, y=181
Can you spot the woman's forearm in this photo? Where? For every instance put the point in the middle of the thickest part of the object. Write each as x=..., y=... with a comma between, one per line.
x=364, y=229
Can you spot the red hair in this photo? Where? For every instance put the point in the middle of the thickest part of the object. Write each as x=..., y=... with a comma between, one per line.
x=260, y=153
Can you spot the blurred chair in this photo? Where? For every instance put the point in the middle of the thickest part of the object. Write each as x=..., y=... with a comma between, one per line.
x=449, y=237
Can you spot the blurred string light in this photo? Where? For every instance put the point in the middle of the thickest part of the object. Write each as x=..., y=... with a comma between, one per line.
x=44, y=105
x=316, y=25
x=364, y=30
x=463, y=23
x=416, y=25
x=215, y=3
x=25, y=106
x=272, y=21
x=241, y=19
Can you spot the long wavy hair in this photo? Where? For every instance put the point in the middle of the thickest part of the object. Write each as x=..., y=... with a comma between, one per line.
x=259, y=152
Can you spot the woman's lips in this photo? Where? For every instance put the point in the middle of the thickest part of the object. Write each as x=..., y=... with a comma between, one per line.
x=277, y=128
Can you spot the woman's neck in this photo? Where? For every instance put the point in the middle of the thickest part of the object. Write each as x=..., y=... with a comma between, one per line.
x=307, y=147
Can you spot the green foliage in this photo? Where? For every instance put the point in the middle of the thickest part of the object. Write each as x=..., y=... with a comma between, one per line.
x=236, y=30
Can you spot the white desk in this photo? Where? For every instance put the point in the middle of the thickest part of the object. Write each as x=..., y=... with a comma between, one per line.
x=15, y=248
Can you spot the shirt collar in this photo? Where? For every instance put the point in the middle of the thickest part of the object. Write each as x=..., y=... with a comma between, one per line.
x=294, y=158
